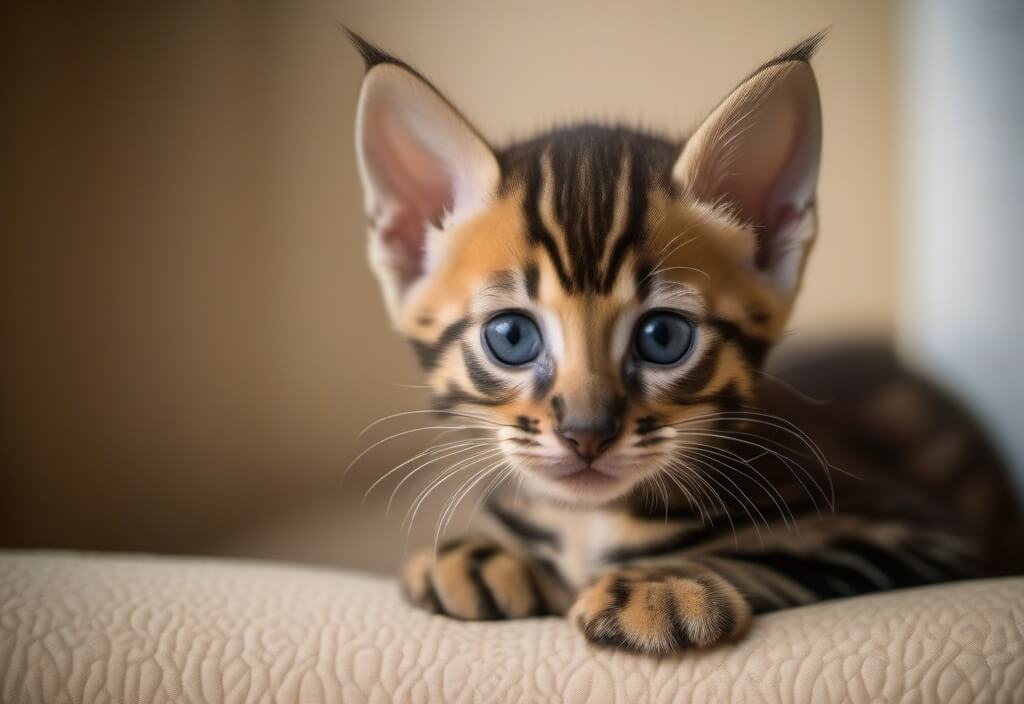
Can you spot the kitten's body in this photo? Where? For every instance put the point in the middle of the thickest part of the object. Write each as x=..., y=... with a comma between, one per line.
x=600, y=302
x=908, y=469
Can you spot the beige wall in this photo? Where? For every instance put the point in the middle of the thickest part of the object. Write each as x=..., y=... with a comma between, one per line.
x=191, y=338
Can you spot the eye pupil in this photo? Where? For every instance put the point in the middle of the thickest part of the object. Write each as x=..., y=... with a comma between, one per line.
x=664, y=338
x=660, y=333
x=512, y=339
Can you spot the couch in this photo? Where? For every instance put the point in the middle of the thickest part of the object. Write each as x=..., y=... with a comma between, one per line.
x=89, y=628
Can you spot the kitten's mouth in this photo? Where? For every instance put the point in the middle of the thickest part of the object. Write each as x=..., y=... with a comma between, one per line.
x=571, y=476
x=581, y=474
x=587, y=476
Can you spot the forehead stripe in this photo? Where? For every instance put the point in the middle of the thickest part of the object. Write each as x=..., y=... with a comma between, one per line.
x=620, y=209
x=536, y=230
x=633, y=233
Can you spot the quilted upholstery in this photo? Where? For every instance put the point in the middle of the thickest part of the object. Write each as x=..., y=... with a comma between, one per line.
x=82, y=628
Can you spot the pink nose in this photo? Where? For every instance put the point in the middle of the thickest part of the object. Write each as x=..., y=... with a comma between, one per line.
x=588, y=442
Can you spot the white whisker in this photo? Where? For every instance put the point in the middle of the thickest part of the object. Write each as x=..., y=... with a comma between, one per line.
x=408, y=432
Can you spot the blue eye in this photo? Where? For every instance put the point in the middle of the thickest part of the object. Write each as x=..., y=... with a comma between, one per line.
x=664, y=338
x=512, y=339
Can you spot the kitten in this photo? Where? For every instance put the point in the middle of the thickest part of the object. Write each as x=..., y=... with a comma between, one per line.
x=601, y=300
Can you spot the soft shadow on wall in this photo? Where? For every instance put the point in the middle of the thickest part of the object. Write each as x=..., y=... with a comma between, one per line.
x=192, y=340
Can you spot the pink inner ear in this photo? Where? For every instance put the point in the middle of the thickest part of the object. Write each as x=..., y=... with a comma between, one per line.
x=767, y=157
x=775, y=169
x=418, y=191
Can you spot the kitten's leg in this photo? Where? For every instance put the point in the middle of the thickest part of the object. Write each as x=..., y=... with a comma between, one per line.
x=845, y=566
x=474, y=579
x=661, y=608
x=674, y=603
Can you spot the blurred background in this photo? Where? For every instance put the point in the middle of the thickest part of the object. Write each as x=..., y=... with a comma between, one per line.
x=191, y=341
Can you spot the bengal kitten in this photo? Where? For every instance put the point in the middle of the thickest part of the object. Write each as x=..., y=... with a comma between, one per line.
x=601, y=300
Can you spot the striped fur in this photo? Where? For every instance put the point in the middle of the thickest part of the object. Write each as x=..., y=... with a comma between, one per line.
x=719, y=494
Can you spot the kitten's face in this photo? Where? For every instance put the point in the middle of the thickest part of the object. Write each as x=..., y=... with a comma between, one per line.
x=598, y=297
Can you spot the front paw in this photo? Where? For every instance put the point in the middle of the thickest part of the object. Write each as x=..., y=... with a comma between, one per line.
x=657, y=611
x=473, y=580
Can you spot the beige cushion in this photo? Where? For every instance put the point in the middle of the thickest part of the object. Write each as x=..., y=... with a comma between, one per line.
x=98, y=628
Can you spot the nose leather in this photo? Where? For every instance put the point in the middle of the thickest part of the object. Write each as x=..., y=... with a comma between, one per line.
x=590, y=440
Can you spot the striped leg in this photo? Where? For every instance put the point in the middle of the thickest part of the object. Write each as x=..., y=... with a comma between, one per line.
x=845, y=566
x=667, y=604
x=475, y=580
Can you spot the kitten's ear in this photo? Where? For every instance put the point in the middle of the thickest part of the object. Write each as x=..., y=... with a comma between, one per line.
x=423, y=168
x=758, y=152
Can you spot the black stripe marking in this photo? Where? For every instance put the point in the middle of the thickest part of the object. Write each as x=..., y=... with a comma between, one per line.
x=680, y=632
x=680, y=541
x=605, y=628
x=431, y=601
x=451, y=546
x=525, y=530
x=729, y=398
x=900, y=572
x=696, y=379
x=551, y=571
x=454, y=396
x=537, y=232
x=527, y=425
x=429, y=354
x=503, y=282
x=720, y=613
x=765, y=596
x=643, y=280
x=558, y=407
x=827, y=580
x=831, y=579
x=485, y=382
x=726, y=399
x=531, y=278
x=487, y=605
x=633, y=233
x=754, y=349
x=586, y=168
x=647, y=425
x=540, y=607
x=953, y=569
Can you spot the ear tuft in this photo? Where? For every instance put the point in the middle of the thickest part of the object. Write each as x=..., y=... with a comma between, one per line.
x=372, y=54
x=804, y=51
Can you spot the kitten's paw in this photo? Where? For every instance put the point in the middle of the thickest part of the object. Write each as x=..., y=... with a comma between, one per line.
x=657, y=611
x=473, y=580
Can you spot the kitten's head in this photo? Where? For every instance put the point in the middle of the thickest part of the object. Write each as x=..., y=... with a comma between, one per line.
x=591, y=293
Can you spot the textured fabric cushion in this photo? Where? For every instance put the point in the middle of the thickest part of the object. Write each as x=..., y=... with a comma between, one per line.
x=83, y=628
